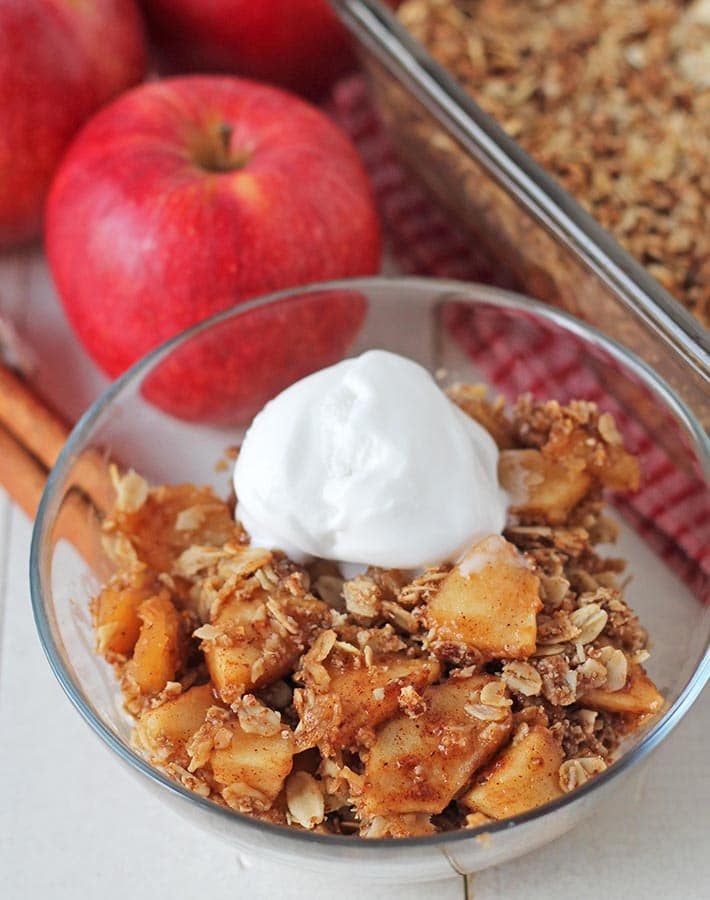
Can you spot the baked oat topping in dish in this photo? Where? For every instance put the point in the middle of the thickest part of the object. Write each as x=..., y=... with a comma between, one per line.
x=394, y=703
x=612, y=98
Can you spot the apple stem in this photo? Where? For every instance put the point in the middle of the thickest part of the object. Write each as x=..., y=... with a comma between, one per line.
x=225, y=136
x=213, y=152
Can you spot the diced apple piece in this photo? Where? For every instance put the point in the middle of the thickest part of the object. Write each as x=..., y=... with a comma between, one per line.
x=489, y=602
x=358, y=698
x=252, y=769
x=116, y=613
x=250, y=648
x=166, y=730
x=418, y=765
x=541, y=488
x=524, y=776
x=598, y=448
x=638, y=697
x=158, y=653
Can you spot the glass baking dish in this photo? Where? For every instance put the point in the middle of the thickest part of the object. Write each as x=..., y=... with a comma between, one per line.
x=499, y=196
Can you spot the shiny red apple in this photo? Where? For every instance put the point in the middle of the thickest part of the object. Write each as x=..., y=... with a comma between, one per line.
x=189, y=195
x=299, y=44
x=59, y=61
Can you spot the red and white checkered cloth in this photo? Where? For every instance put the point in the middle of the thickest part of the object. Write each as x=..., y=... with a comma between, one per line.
x=672, y=508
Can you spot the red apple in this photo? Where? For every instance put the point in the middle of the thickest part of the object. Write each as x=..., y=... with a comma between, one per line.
x=189, y=195
x=299, y=44
x=59, y=61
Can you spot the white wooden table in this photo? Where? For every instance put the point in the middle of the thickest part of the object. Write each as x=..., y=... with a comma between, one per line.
x=74, y=824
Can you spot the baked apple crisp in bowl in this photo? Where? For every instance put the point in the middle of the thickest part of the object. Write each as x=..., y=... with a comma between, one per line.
x=366, y=606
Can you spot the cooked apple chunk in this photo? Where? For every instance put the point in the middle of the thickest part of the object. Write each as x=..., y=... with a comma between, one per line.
x=164, y=520
x=159, y=650
x=354, y=697
x=541, y=488
x=524, y=776
x=166, y=730
x=255, y=639
x=249, y=762
x=579, y=449
x=488, y=602
x=638, y=697
x=418, y=765
x=115, y=612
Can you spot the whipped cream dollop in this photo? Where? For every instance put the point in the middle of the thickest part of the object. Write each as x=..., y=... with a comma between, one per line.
x=368, y=462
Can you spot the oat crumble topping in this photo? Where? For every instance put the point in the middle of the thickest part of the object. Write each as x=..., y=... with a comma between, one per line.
x=612, y=98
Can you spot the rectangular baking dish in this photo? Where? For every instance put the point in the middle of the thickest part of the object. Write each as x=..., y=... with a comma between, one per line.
x=554, y=249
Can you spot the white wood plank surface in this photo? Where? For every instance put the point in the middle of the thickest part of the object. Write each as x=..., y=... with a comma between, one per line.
x=5, y=515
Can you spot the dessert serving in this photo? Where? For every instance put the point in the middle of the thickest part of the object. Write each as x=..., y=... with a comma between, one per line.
x=403, y=624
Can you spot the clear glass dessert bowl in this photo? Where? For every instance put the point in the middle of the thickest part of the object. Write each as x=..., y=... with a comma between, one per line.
x=229, y=366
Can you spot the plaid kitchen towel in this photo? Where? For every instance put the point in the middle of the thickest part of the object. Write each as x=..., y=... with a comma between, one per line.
x=672, y=508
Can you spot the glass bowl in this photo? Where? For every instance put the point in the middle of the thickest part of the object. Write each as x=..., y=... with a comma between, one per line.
x=229, y=365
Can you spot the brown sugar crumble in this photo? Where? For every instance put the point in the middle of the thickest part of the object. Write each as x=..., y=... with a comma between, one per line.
x=386, y=705
x=612, y=98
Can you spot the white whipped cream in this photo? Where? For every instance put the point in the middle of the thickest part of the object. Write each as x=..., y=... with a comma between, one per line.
x=368, y=462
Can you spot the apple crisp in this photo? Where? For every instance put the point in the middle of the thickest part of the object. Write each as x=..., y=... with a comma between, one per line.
x=612, y=98
x=386, y=705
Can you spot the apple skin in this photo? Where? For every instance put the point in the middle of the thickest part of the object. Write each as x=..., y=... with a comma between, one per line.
x=189, y=195
x=60, y=60
x=298, y=44
x=255, y=356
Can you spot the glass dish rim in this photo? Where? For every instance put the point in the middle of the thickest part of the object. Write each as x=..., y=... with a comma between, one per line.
x=471, y=291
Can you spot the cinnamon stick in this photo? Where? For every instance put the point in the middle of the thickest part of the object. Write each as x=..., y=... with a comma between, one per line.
x=20, y=474
x=23, y=477
x=43, y=433
x=31, y=438
x=38, y=428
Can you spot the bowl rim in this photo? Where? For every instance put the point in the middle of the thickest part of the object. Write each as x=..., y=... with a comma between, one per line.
x=470, y=291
